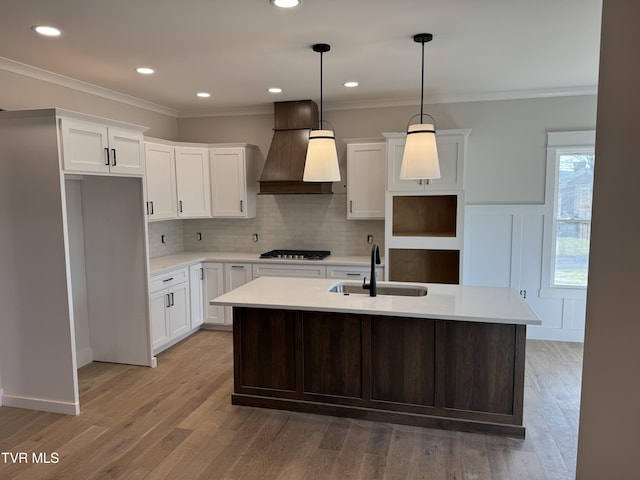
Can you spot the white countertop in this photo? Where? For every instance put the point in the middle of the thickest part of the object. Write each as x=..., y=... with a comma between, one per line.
x=444, y=302
x=184, y=259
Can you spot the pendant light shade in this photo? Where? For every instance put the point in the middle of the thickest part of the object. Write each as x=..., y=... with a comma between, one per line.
x=420, y=158
x=321, y=164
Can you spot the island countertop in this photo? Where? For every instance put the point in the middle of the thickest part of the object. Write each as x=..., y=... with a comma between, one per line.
x=444, y=302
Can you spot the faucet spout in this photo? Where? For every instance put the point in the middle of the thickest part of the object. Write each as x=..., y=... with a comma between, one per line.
x=375, y=260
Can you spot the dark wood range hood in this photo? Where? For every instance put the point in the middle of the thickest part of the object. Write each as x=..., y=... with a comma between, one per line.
x=284, y=166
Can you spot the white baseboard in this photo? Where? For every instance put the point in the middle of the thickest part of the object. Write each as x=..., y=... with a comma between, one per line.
x=84, y=356
x=555, y=334
x=40, y=404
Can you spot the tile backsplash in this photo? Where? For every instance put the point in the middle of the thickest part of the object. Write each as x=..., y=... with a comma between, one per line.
x=173, y=237
x=309, y=222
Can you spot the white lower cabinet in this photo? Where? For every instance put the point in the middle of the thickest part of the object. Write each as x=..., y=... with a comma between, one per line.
x=170, y=312
x=196, y=292
x=213, y=287
x=180, y=298
x=235, y=275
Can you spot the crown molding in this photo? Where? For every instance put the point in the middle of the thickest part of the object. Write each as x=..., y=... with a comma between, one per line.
x=68, y=82
x=410, y=101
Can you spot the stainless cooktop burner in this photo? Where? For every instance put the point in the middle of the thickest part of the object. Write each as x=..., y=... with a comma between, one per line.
x=297, y=254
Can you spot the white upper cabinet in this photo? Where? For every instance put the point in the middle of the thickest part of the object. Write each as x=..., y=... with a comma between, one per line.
x=366, y=179
x=234, y=181
x=177, y=180
x=161, y=182
x=451, y=153
x=192, y=182
x=94, y=147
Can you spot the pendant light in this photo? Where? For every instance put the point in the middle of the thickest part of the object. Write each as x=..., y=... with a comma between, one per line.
x=321, y=164
x=420, y=158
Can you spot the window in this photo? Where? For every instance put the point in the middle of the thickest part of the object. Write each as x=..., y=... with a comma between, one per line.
x=569, y=192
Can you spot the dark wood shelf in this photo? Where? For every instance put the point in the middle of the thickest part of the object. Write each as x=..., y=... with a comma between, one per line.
x=424, y=265
x=425, y=215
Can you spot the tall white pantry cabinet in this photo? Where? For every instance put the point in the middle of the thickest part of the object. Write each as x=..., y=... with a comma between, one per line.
x=73, y=254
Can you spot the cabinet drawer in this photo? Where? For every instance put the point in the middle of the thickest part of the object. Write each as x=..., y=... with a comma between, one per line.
x=168, y=279
x=285, y=270
x=353, y=272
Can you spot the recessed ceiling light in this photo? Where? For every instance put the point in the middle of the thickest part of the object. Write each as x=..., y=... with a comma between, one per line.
x=350, y=84
x=144, y=70
x=203, y=94
x=46, y=30
x=285, y=3
x=275, y=90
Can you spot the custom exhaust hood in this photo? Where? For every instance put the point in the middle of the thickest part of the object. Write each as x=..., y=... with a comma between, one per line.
x=284, y=166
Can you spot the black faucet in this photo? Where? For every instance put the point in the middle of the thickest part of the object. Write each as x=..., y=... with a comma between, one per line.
x=375, y=260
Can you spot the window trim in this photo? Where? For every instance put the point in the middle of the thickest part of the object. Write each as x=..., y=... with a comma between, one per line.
x=559, y=143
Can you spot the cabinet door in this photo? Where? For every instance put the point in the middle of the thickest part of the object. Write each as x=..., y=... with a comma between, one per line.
x=159, y=319
x=366, y=175
x=451, y=154
x=161, y=182
x=192, y=182
x=395, y=149
x=179, y=310
x=196, y=290
x=213, y=287
x=228, y=183
x=126, y=149
x=235, y=275
x=85, y=146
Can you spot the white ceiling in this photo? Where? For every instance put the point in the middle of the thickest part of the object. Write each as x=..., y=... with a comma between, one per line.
x=482, y=49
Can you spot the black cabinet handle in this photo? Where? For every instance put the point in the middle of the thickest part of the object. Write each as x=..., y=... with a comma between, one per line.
x=241, y=206
x=350, y=206
x=172, y=302
x=168, y=300
x=106, y=155
x=202, y=274
x=113, y=150
x=152, y=208
x=167, y=280
x=147, y=203
x=180, y=206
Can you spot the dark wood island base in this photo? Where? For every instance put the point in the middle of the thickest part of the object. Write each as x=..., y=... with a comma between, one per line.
x=446, y=374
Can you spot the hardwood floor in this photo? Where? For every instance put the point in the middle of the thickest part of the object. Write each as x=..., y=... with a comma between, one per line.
x=177, y=422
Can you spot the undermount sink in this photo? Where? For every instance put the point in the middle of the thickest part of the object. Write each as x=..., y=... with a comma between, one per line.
x=409, y=290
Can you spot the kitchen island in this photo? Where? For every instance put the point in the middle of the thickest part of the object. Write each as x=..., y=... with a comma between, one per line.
x=452, y=359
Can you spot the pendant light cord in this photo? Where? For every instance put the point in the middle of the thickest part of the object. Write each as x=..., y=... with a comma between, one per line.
x=422, y=86
x=321, y=55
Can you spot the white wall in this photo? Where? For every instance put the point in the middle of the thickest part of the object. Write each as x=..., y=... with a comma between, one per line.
x=75, y=232
x=37, y=354
x=23, y=92
x=503, y=247
x=506, y=149
x=610, y=413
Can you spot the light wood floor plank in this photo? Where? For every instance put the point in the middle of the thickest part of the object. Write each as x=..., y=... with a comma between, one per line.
x=177, y=422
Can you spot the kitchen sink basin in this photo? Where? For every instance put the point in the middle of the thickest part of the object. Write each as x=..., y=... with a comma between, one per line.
x=408, y=290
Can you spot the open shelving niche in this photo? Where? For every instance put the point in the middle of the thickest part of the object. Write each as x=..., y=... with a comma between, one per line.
x=424, y=226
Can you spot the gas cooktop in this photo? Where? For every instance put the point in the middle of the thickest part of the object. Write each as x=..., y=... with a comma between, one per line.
x=297, y=254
